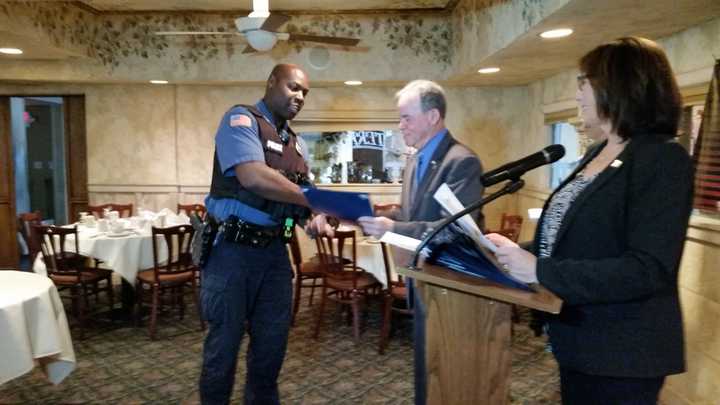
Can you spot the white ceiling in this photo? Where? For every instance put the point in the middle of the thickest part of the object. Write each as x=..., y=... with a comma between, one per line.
x=529, y=57
x=289, y=5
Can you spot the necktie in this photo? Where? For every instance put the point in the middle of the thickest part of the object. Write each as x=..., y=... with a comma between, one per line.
x=418, y=170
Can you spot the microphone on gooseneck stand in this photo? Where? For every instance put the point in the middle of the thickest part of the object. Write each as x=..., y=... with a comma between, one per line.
x=512, y=172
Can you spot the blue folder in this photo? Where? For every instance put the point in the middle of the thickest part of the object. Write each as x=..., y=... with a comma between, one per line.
x=461, y=254
x=341, y=204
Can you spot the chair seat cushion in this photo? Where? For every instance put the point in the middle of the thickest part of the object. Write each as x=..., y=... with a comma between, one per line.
x=148, y=276
x=86, y=276
x=333, y=259
x=364, y=281
x=310, y=269
x=399, y=292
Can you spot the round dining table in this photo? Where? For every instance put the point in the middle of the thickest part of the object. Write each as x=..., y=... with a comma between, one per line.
x=126, y=252
x=33, y=328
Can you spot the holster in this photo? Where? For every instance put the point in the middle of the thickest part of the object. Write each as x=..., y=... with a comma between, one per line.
x=209, y=232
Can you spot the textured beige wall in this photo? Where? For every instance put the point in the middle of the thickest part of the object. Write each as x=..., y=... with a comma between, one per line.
x=153, y=145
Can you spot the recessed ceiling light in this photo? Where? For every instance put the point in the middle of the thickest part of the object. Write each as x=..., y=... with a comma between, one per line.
x=558, y=33
x=11, y=51
x=159, y=81
x=489, y=70
x=353, y=82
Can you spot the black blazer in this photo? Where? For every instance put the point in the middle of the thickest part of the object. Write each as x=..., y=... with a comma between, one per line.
x=615, y=264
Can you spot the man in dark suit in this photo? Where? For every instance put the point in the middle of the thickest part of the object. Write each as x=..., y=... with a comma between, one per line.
x=439, y=159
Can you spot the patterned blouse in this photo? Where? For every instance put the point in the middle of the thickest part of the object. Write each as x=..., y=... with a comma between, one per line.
x=558, y=206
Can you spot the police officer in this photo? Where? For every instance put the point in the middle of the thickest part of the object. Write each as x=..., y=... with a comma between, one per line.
x=255, y=196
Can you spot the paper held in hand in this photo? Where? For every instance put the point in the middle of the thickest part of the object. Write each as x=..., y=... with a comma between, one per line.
x=447, y=199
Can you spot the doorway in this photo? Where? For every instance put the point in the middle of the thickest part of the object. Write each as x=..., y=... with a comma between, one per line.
x=38, y=141
x=43, y=146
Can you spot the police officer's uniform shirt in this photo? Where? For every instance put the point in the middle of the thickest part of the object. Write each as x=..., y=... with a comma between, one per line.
x=238, y=141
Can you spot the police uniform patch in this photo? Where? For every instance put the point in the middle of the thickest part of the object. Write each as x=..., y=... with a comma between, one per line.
x=298, y=148
x=240, y=120
x=274, y=146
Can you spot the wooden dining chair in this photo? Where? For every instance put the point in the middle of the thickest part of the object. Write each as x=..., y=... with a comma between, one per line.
x=189, y=209
x=346, y=284
x=510, y=226
x=69, y=270
x=166, y=281
x=304, y=272
x=395, y=297
x=25, y=222
x=125, y=210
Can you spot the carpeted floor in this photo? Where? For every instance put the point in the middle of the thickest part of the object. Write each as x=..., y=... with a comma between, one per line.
x=118, y=364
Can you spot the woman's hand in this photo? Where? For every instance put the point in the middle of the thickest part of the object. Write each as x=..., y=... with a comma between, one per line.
x=520, y=263
x=500, y=240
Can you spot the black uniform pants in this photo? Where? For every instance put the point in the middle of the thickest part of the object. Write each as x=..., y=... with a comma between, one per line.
x=245, y=284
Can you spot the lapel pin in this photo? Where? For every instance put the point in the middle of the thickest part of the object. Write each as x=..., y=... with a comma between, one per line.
x=616, y=163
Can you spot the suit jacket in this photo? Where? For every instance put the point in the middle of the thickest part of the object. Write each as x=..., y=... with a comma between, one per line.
x=452, y=163
x=615, y=264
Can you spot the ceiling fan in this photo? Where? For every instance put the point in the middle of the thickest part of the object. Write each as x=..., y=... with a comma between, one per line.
x=259, y=29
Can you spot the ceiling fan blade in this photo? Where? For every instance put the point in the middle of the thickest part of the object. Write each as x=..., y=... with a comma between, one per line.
x=325, y=40
x=169, y=33
x=274, y=22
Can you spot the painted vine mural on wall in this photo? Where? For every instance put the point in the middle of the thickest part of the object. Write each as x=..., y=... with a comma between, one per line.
x=112, y=38
x=470, y=16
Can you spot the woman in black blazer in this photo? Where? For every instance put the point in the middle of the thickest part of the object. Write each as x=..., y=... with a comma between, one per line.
x=611, y=236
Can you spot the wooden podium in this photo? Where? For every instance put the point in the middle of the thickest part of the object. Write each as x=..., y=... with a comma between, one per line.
x=468, y=320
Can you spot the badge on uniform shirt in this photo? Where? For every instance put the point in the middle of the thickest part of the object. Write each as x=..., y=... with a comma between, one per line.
x=298, y=148
x=240, y=120
x=274, y=146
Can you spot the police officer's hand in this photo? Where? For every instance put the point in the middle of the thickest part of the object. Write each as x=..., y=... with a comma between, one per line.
x=319, y=226
x=376, y=226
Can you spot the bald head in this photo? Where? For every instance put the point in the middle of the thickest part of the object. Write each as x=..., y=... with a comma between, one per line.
x=285, y=92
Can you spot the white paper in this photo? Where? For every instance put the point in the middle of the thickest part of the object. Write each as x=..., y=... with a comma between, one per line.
x=401, y=241
x=447, y=199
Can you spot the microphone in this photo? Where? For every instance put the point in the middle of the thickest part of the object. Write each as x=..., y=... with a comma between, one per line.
x=513, y=170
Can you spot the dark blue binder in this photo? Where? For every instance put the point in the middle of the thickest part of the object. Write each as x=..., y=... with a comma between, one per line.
x=341, y=204
x=459, y=253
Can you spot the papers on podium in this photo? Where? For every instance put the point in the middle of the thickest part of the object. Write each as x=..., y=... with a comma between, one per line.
x=340, y=204
x=463, y=248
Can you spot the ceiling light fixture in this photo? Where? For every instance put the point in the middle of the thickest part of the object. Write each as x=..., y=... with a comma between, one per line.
x=159, y=81
x=489, y=70
x=11, y=51
x=558, y=33
x=353, y=82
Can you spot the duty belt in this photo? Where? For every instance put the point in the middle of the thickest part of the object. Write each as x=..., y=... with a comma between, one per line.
x=238, y=231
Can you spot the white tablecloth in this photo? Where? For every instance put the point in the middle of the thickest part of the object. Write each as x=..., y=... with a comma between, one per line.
x=370, y=258
x=33, y=328
x=125, y=255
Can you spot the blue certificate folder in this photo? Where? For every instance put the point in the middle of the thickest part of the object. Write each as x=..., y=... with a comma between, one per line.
x=461, y=254
x=341, y=204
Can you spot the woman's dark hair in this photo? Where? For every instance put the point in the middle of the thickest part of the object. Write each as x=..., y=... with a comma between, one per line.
x=634, y=87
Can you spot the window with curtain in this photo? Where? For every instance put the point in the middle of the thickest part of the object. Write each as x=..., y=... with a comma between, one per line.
x=706, y=150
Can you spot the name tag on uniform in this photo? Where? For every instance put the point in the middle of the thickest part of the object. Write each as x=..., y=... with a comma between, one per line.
x=298, y=148
x=274, y=146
